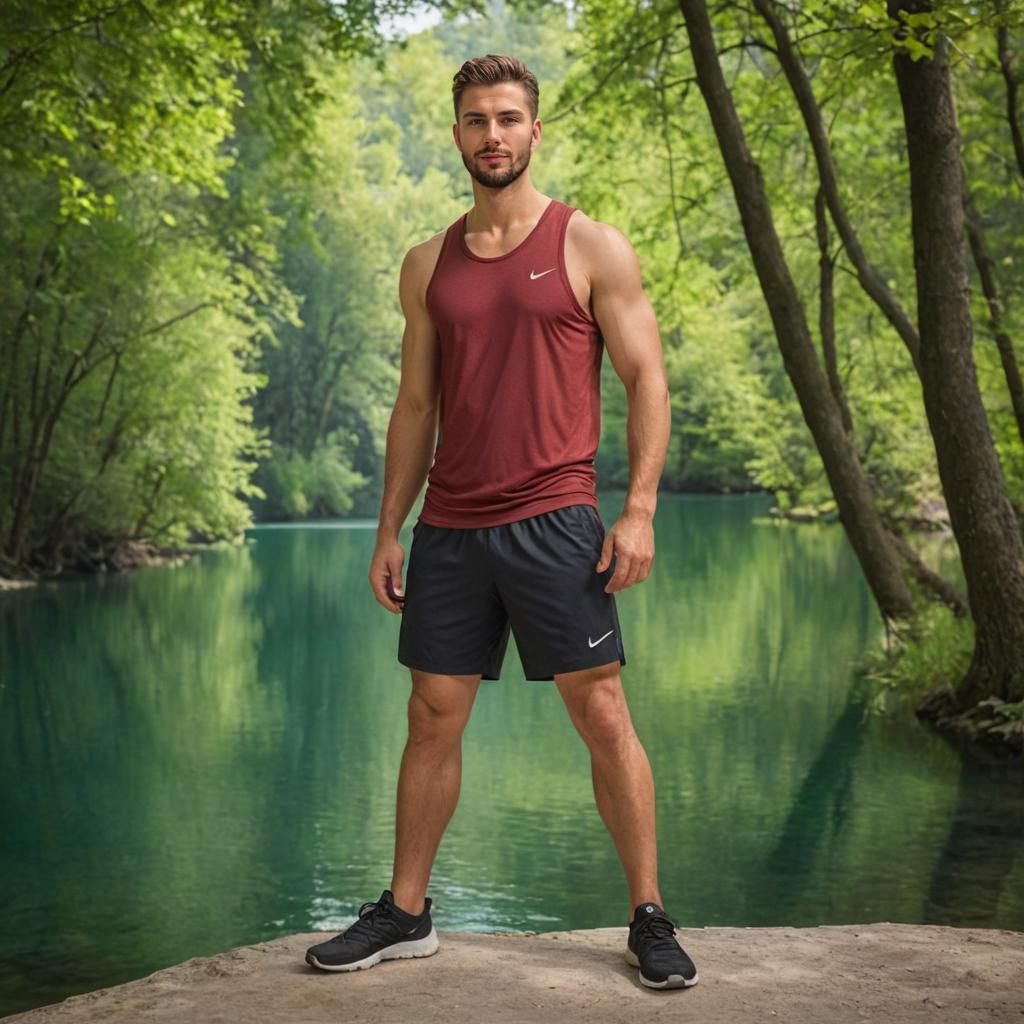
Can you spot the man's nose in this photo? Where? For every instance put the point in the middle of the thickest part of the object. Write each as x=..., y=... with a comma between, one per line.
x=493, y=136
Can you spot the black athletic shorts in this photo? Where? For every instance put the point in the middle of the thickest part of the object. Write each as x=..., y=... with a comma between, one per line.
x=464, y=589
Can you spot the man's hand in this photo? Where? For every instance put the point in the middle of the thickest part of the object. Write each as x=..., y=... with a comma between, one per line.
x=388, y=559
x=631, y=540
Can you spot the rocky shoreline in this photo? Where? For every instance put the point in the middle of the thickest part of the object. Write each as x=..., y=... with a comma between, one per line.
x=124, y=557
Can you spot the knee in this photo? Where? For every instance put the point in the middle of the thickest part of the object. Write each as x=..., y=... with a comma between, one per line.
x=602, y=719
x=433, y=722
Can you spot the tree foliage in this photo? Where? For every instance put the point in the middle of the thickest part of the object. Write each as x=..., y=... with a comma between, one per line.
x=204, y=208
x=142, y=151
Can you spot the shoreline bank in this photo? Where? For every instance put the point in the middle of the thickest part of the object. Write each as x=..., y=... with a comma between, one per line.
x=845, y=974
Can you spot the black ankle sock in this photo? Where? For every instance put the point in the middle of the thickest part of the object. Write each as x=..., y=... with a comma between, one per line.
x=405, y=913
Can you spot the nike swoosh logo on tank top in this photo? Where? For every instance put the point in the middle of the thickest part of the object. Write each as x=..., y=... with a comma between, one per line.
x=520, y=381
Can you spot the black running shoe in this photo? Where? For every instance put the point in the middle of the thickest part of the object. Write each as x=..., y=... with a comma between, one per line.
x=653, y=948
x=382, y=932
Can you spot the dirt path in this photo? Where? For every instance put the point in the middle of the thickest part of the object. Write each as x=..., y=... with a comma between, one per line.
x=827, y=975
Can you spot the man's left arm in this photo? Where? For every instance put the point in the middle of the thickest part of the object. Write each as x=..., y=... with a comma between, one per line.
x=630, y=329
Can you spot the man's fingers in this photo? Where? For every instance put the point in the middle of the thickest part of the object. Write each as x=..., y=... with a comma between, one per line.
x=380, y=592
x=396, y=580
x=385, y=571
x=394, y=577
x=630, y=569
x=638, y=572
x=623, y=567
x=628, y=572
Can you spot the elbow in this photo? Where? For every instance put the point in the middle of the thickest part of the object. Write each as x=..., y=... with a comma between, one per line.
x=651, y=384
x=422, y=405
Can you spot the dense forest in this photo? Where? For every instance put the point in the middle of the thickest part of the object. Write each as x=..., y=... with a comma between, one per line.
x=204, y=207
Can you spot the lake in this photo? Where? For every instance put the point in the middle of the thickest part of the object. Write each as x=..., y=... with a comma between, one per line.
x=205, y=756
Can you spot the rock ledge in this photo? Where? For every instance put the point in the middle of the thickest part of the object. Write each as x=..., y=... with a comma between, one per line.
x=838, y=974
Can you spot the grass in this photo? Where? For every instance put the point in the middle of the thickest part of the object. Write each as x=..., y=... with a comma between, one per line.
x=929, y=651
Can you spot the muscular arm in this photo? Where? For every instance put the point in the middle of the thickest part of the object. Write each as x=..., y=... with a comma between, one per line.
x=412, y=431
x=630, y=330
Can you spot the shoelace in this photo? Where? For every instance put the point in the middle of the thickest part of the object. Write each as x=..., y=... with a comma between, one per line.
x=375, y=918
x=659, y=931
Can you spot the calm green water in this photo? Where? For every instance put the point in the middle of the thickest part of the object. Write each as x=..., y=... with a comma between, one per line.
x=202, y=757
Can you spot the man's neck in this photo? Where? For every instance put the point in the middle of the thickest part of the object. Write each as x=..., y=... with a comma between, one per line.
x=498, y=211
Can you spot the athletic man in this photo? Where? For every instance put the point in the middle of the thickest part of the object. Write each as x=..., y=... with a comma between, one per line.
x=505, y=315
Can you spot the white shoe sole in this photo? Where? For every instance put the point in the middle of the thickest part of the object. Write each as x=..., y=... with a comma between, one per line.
x=427, y=946
x=672, y=981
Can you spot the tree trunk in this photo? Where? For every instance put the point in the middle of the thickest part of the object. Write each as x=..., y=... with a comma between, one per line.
x=827, y=312
x=868, y=537
x=869, y=277
x=1012, y=86
x=939, y=586
x=972, y=479
x=987, y=273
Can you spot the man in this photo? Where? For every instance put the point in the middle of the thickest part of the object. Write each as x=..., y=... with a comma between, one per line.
x=505, y=313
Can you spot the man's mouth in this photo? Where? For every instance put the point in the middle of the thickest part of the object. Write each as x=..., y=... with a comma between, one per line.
x=493, y=157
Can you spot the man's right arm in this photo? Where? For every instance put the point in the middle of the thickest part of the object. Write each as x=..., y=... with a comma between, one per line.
x=412, y=432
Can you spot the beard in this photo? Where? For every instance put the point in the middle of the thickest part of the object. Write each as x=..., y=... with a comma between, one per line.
x=497, y=177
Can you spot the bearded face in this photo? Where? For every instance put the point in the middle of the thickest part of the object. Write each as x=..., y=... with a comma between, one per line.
x=495, y=133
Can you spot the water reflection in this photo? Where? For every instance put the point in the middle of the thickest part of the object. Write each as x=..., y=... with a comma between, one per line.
x=977, y=875
x=205, y=756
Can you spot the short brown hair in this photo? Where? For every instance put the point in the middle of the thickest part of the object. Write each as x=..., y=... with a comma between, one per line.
x=491, y=70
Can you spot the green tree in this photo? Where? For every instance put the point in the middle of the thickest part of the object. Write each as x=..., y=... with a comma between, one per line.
x=142, y=150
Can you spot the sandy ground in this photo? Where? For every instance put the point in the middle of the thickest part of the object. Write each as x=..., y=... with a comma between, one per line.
x=827, y=975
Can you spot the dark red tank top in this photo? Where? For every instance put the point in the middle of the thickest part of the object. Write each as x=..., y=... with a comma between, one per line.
x=520, y=403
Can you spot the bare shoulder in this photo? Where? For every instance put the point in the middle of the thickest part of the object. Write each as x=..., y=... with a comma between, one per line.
x=604, y=250
x=424, y=254
x=418, y=266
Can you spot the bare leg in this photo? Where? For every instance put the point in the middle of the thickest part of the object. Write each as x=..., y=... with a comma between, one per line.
x=429, y=779
x=621, y=773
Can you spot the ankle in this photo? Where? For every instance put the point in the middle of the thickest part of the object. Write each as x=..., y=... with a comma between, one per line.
x=655, y=898
x=409, y=902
